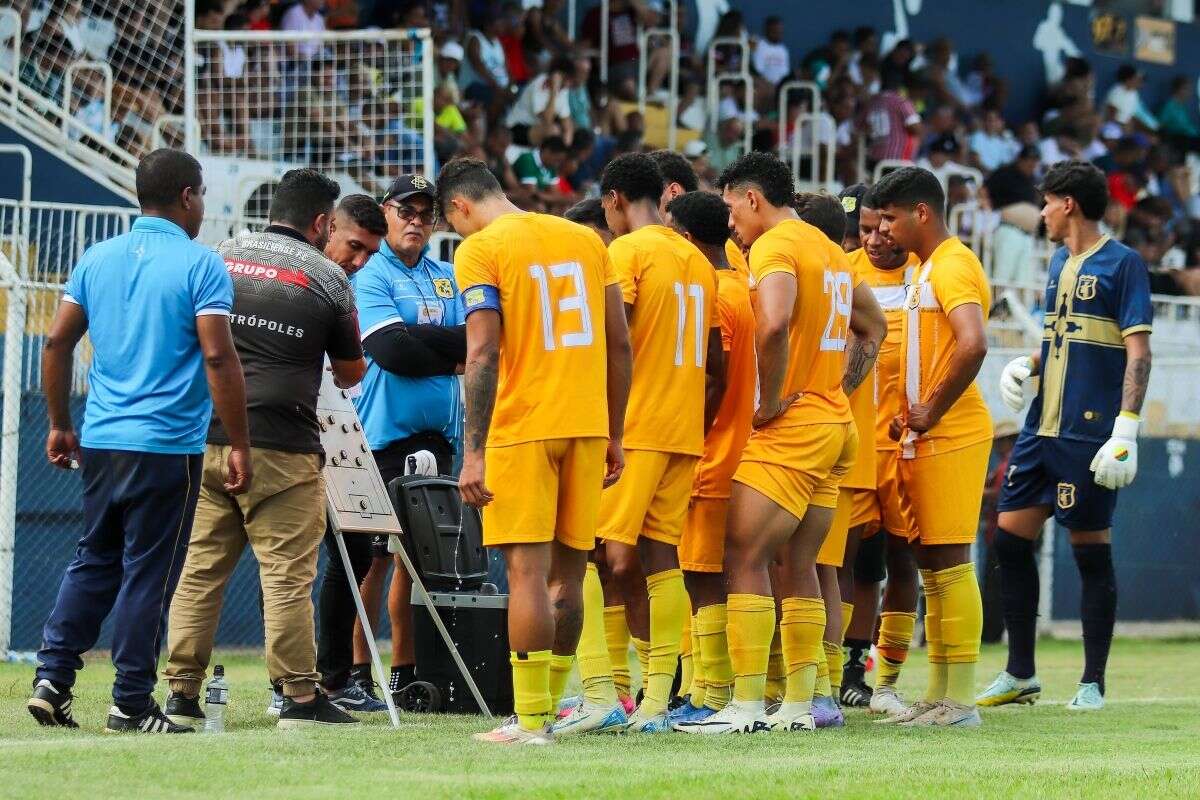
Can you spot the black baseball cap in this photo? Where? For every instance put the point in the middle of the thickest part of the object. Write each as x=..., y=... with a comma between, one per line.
x=851, y=198
x=406, y=186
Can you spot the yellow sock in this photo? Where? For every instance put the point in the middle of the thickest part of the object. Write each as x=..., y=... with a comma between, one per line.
x=935, y=688
x=699, y=687
x=616, y=635
x=895, y=636
x=531, y=688
x=713, y=646
x=595, y=669
x=668, y=611
x=833, y=652
x=751, y=621
x=833, y=661
x=962, y=627
x=641, y=649
x=560, y=671
x=800, y=630
x=776, y=671
x=686, y=662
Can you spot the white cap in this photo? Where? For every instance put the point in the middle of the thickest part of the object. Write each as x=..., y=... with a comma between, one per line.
x=695, y=148
x=452, y=50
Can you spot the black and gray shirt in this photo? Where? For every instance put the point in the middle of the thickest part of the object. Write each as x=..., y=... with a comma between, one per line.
x=291, y=307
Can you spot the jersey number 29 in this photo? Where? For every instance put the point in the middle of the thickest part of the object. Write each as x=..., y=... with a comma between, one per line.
x=837, y=286
x=576, y=301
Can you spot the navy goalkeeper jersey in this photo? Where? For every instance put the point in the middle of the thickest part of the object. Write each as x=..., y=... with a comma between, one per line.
x=1093, y=301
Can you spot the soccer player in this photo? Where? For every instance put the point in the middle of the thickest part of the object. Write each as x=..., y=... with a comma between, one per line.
x=546, y=383
x=703, y=219
x=1095, y=363
x=944, y=433
x=888, y=270
x=670, y=293
x=785, y=488
x=678, y=176
x=828, y=215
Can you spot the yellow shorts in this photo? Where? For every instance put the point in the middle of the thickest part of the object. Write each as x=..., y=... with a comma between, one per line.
x=865, y=511
x=833, y=549
x=946, y=491
x=800, y=465
x=895, y=510
x=545, y=491
x=702, y=547
x=650, y=500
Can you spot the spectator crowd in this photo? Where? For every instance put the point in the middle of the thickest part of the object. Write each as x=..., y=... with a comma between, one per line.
x=513, y=88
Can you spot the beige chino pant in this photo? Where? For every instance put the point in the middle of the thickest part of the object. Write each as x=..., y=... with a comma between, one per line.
x=282, y=518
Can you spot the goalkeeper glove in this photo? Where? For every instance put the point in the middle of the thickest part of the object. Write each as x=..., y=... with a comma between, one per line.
x=1115, y=463
x=1012, y=382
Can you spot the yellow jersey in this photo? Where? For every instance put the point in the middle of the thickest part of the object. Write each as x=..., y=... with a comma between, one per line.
x=952, y=277
x=547, y=276
x=673, y=291
x=888, y=286
x=725, y=440
x=862, y=408
x=820, y=318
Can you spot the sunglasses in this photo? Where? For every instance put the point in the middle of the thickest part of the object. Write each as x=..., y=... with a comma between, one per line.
x=408, y=214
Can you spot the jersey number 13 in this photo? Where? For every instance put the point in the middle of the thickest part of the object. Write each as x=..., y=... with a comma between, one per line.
x=575, y=301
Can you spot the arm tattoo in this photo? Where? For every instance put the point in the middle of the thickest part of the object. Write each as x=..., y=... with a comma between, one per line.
x=859, y=363
x=480, y=379
x=1137, y=377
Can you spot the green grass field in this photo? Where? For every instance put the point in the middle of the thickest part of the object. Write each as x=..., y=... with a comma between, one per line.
x=1145, y=744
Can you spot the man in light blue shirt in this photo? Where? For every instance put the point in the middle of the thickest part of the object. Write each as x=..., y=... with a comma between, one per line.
x=156, y=306
x=414, y=339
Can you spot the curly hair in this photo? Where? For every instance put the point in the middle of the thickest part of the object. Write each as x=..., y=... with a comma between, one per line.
x=1082, y=181
x=763, y=171
x=634, y=175
x=676, y=169
x=703, y=215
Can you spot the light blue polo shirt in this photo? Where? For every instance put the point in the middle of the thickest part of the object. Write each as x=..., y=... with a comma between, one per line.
x=142, y=292
x=390, y=406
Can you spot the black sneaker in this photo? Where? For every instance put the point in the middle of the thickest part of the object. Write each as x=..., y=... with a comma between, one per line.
x=318, y=711
x=51, y=705
x=152, y=720
x=184, y=711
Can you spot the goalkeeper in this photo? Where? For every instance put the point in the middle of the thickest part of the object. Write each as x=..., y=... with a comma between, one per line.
x=1079, y=444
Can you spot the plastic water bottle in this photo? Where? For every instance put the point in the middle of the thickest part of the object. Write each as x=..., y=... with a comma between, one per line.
x=216, y=697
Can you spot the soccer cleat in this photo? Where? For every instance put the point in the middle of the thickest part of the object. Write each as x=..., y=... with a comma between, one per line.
x=152, y=720
x=509, y=732
x=917, y=709
x=856, y=693
x=737, y=717
x=318, y=711
x=687, y=714
x=1007, y=689
x=587, y=718
x=276, y=705
x=184, y=710
x=946, y=714
x=793, y=718
x=1088, y=698
x=885, y=700
x=628, y=703
x=368, y=687
x=51, y=705
x=639, y=723
x=826, y=714
x=569, y=704
x=353, y=698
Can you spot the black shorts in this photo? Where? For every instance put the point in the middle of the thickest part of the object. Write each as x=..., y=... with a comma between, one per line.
x=1045, y=470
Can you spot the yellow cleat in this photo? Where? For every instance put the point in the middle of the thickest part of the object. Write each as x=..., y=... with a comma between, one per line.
x=1006, y=689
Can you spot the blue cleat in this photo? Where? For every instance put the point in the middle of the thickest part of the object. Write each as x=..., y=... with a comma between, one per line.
x=353, y=698
x=587, y=718
x=688, y=715
x=826, y=713
x=640, y=723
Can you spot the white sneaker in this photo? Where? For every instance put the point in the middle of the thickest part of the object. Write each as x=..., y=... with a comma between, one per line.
x=510, y=732
x=917, y=709
x=588, y=718
x=793, y=717
x=947, y=714
x=737, y=717
x=1088, y=698
x=886, y=701
x=1007, y=689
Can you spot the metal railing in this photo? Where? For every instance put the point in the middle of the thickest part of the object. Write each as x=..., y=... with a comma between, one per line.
x=672, y=36
x=742, y=75
x=68, y=93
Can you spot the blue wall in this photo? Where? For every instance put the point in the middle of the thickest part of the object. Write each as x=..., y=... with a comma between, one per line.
x=54, y=180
